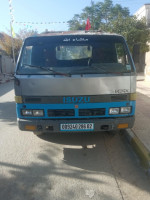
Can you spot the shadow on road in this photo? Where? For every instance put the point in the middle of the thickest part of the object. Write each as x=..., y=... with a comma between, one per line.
x=85, y=159
x=66, y=164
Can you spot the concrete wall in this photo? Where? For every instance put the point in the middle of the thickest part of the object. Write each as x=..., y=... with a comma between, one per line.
x=140, y=65
x=147, y=67
x=141, y=12
x=6, y=65
x=144, y=11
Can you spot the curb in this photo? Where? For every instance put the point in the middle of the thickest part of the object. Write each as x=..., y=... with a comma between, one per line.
x=140, y=79
x=142, y=152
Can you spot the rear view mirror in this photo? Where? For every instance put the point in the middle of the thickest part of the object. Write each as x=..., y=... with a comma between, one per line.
x=58, y=48
x=89, y=48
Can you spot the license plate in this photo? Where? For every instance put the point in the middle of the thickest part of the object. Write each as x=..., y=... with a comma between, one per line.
x=77, y=127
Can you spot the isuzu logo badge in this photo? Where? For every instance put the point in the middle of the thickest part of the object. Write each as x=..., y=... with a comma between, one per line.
x=73, y=100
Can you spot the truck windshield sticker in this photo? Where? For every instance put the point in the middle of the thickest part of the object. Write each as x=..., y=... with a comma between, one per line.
x=75, y=40
x=128, y=67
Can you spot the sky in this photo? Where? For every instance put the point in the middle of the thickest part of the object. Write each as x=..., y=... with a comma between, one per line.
x=49, y=14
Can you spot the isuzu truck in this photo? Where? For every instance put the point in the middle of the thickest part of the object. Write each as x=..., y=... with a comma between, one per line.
x=78, y=81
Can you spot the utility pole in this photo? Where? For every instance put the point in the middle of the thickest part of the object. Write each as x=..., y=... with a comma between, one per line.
x=12, y=43
x=11, y=29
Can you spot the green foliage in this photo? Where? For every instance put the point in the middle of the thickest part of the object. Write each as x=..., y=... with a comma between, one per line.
x=113, y=18
x=134, y=31
x=76, y=23
x=99, y=13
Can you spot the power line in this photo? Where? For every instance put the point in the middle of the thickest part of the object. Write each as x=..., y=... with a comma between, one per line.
x=41, y=23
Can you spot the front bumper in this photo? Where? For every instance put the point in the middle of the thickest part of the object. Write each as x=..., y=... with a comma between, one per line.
x=105, y=124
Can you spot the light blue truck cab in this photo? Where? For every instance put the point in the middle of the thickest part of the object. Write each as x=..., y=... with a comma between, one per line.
x=75, y=81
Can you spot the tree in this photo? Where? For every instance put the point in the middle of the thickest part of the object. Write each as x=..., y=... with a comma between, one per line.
x=135, y=31
x=114, y=18
x=100, y=13
x=7, y=41
x=76, y=23
x=92, y=12
x=24, y=33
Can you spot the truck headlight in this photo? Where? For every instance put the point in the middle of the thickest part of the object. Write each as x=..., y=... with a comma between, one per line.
x=38, y=113
x=35, y=113
x=27, y=112
x=114, y=111
x=125, y=110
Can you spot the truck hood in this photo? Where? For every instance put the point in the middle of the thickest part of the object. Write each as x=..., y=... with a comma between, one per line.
x=49, y=85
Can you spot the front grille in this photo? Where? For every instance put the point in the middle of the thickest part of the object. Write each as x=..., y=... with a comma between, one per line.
x=60, y=99
x=32, y=100
x=61, y=113
x=119, y=97
x=92, y=112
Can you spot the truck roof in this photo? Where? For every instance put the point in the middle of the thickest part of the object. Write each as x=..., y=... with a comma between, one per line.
x=61, y=33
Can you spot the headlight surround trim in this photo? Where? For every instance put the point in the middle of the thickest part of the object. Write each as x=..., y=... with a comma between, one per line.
x=26, y=112
x=120, y=110
x=114, y=111
x=125, y=110
x=32, y=112
x=38, y=113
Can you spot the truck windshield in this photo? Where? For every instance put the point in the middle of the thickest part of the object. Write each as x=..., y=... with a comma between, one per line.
x=74, y=56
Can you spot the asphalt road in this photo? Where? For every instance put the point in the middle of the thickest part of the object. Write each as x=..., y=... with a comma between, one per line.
x=66, y=166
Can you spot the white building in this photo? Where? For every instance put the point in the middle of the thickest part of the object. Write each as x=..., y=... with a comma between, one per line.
x=144, y=11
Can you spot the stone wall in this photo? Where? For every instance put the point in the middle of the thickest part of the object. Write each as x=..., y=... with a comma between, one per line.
x=6, y=65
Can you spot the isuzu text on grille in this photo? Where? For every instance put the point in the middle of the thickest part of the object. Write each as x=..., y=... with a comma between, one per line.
x=76, y=100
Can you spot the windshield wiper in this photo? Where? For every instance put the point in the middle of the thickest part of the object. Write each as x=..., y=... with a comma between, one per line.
x=106, y=72
x=86, y=68
x=49, y=70
x=100, y=69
